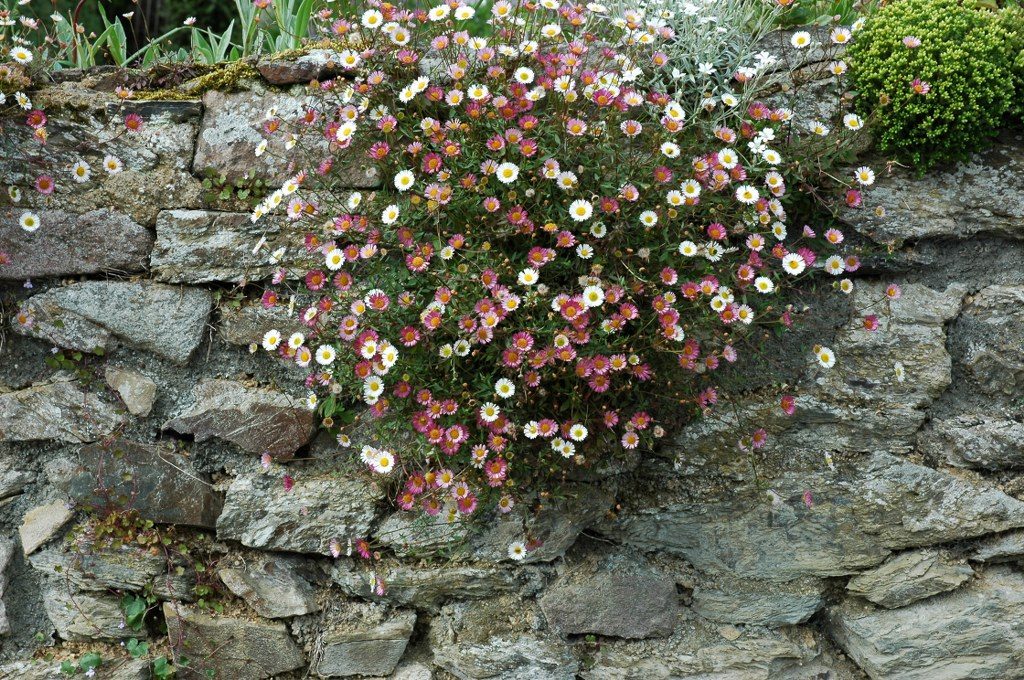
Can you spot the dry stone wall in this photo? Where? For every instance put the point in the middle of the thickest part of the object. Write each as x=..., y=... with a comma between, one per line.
x=882, y=535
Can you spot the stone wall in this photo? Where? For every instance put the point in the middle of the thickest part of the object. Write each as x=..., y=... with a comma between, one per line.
x=881, y=536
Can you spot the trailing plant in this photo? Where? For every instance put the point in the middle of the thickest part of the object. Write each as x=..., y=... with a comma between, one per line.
x=937, y=75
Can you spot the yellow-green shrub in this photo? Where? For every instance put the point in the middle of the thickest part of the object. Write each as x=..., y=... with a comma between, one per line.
x=962, y=58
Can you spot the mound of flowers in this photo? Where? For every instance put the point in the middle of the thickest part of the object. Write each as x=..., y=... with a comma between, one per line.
x=558, y=254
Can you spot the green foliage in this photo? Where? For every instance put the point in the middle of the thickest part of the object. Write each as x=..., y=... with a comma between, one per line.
x=89, y=661
x=137, y=648
x=962, y=58
x=218, y=189
x=163, y=669
x=1012, y=21
x=134, y=608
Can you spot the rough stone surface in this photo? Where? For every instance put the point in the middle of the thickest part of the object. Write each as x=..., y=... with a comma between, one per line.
x=988, y=341
x=158, y=482
x=229, y=135
x=876, y=412
x=256, y=420
x=364, y=640
x=314, y=65
x=975, y=633
x=508, y=658
x=125, y=569
x=697, y=651
x=112, y=669
x=200, y=246
x=166, y=320
x=728, y=600
x=909, y=577
x=272, y=588
x=260, y=513
x=864, y=510
x=556, y=525
x=65, y=244
x=58, y=410
x=233, y=647
x=6, y=553
x=83, y=124
x=41, y=523
x=248, y=324
x=12, y=479
x=428, y=587
x=983, y=196
x=136, y=390
x=84, y=616
x=619, y=596
x=1001, y=548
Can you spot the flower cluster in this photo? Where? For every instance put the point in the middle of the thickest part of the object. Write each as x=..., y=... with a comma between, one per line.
x=557, y=253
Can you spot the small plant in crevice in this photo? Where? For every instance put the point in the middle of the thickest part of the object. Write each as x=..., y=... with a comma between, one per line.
x=84, y=665
x=247, y=191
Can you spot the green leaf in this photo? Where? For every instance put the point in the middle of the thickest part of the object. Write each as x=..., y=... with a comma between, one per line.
x=90, y=660
x=67, y=668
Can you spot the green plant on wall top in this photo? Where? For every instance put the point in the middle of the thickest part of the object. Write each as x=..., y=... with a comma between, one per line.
x=937, y=75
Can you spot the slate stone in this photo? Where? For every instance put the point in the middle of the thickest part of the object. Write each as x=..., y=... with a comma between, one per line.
x=757, y=603
x=272, y=587
x=202, y=246
x=230, y=132
x=984, y=195
x=58, y=410
x=85, y=616
x=864, y=510
x=973, y=440
x=232, y=647
x=366, y=641
x=260, y=513
x=127, y=568
x=136, y=390
x=314, y=65
x=909, y=577
x=41, y=523
x=81, y=125
x=168, y=321
x=974, y=633
x=1000, y=548
x=256, y=420
x=987, y=340
x=248, y=324
x=428, y=586
x=158, y=482
x=69, y=244
x=618, y=596
x=508, y=658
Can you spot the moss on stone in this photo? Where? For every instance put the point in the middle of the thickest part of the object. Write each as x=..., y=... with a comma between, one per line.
x=223, y=78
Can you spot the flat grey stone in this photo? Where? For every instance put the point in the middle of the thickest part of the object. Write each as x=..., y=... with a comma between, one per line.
x=617, y=596
x=233, y=647
x=168, y=321
x=159, y=483
x=254, y=419
x=260, y=513
x=41, y=523
x=974, y=633
x=69, y=244
x=909, y=577
x=366, y=641
x=58, y=410
x=202, y=246
x=272, y=588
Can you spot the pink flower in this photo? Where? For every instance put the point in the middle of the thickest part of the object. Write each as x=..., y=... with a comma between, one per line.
x=918, y=86
x=893, y=291
x=911, y=42
x=788, y=404
x=45, y=185
x=133, y=122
